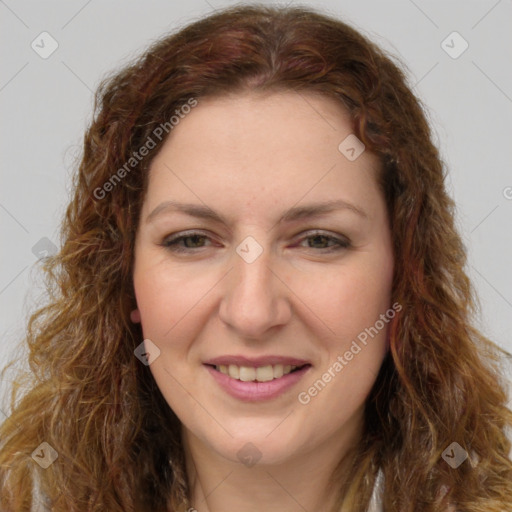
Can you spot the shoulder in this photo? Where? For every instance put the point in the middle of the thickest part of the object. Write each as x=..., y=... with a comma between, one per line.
x=376, y=500
x=40, y=502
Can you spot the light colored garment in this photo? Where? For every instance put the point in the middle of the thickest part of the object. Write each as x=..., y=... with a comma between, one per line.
x=376, y=499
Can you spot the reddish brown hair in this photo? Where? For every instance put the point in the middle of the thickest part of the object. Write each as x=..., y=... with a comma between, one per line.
x=100, y=408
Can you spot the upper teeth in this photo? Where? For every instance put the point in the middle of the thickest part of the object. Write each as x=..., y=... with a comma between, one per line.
x=260, y=374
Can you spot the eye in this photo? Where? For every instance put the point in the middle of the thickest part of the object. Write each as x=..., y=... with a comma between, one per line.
x=193, y=240
x=322, y=237
x=174, y=243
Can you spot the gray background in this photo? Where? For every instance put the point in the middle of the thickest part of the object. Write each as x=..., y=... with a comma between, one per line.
x=45, y=105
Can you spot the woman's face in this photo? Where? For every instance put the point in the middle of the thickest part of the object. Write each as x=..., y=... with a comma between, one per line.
x=261, y=283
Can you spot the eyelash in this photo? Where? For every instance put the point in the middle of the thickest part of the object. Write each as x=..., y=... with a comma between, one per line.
x=171, y=243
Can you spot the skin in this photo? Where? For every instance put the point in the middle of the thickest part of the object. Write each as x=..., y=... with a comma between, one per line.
x=251, y=157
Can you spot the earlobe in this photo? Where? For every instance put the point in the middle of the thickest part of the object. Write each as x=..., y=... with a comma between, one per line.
x=135, y=316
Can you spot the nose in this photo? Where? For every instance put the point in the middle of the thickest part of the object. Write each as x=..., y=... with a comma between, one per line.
x=255, y=297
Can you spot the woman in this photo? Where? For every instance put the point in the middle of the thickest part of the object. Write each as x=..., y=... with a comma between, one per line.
x=201, y=352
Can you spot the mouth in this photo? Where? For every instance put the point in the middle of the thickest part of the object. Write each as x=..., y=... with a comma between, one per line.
x=265, y=373
x=252, y=380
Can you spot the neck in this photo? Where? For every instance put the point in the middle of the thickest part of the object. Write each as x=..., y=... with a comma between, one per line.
x=300, y=483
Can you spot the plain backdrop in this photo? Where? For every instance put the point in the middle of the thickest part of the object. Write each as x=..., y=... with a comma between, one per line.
x=464, y=79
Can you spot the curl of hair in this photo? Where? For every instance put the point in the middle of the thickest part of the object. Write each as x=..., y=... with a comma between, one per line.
x=117, y=440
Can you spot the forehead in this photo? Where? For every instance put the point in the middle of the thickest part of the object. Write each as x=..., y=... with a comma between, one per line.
x=265, y=148
x=279, y=119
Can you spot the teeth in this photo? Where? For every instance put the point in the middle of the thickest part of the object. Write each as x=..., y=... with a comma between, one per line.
x=234, y=371
x=260, y=374
x=278, y=371
x=264, y=373
x=247, y=374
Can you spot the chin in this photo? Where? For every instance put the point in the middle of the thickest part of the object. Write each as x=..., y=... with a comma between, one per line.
x=256, y=447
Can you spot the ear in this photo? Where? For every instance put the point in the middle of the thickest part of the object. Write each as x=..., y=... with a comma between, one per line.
x=135, y=316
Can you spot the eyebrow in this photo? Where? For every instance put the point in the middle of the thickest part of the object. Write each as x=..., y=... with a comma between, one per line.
x=295, y=213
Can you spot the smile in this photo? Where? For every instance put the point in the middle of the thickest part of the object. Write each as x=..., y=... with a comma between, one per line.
x=259, y=374
x=258, y=379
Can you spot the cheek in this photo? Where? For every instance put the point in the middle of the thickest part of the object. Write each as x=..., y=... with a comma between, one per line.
x=356, y=305
x=349, y=299
x=166, y=298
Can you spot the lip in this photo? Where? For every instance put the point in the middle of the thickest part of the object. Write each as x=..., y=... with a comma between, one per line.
x=257, y=391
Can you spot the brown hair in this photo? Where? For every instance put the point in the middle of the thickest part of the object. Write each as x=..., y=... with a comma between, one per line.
x=118, y=442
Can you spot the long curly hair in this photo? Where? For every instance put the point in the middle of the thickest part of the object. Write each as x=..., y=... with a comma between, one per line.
x=118, y=442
